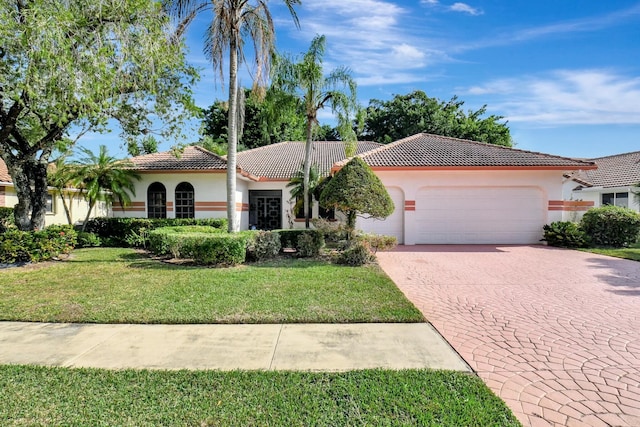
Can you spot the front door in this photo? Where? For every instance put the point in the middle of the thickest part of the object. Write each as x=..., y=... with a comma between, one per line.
x=265, y=209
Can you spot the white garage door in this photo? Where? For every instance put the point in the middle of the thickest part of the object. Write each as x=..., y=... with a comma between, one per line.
x=459, y=215
x=393, y=225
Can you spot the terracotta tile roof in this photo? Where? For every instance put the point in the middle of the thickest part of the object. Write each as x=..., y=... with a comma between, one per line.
x=426, y=150
x=283, y=160
x=192, y=158
x=4, y=172
x=620, y=170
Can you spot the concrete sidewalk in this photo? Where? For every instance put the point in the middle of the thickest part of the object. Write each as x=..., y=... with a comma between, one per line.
x=309, y=347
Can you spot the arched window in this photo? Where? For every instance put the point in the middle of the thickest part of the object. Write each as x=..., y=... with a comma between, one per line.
x=185, y=201
x=156, y=201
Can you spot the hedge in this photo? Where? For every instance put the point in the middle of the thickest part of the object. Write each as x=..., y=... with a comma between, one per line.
x=134, y=232
x=210, y=247
x=611, y=226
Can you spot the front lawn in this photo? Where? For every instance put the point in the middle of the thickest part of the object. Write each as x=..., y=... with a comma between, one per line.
x=113, y=285
x=59, y=396
x=632, y=252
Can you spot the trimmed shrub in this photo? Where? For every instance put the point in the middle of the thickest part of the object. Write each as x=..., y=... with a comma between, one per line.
x=165, y=240
x=134, y=232
x=223, y=249
x=332, y=231
x=262, y=245
x=204, y=245
x=88, y=240
x=611, y=226
x=36, y=246
x=356, y=255
x=565, y=234
x=378, y=242
x=310, y=245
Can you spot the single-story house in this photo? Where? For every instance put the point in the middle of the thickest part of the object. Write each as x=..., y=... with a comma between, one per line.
x=55, y=210
x=616, y=181
x=445, y=190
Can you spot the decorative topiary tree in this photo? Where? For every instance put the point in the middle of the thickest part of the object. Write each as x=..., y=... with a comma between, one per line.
x=356, y=190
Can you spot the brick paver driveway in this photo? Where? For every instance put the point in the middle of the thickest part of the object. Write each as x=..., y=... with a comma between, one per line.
x=553, y=332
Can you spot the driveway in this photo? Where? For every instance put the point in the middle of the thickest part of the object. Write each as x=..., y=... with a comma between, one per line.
x=555, y=333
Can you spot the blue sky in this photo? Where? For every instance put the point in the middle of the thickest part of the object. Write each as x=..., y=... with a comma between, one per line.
x=564, y=73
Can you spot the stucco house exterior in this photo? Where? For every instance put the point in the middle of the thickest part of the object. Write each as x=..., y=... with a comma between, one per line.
x=55, y=211
x=616, y=181
x=445, y=190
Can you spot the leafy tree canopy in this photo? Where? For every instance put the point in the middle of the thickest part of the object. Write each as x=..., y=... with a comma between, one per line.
x=406, y=115
x=356, y=190
x=78, y=64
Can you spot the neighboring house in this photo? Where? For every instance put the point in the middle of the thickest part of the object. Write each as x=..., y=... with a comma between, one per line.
x=615, y=182
x=445, y=190
x=55, y=209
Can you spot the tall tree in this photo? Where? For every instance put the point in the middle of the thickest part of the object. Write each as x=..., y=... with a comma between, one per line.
x=407, y=115
x=102, y=177
x=232, y=21
x=261, y=125
x=315, y=90
x=73, y=65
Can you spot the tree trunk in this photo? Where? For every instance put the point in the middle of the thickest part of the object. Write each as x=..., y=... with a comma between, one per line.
x=351, y=224
x=30, y=182
x=92, y=203
x=307, y=171
x=232, y=132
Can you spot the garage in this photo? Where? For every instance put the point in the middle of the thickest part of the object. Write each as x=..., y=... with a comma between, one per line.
x=476, y=215
x=393, y=225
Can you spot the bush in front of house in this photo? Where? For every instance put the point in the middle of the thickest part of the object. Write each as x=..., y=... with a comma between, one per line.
x=134, y=232
x=204, y=245
x=166, y=241
x=88, y=240
x=357, y=254
x=565, y=234
x=333, y=231
x=36, y=246
x=263, y=245
x=224, y=249
x=378, y=242
x=613, y=226
x=308, y=246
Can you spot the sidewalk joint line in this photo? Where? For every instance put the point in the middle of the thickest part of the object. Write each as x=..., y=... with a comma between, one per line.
x=275, y=347
x=69, y=363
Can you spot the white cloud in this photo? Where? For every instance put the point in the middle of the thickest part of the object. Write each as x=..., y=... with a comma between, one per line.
x=465, y=8
x=429, y=2
x=566, y=97
x=380, y=41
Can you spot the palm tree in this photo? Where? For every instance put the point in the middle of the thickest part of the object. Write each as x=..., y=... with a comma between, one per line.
x=62, y=177
x=103, y=177
x=233, y=20
x=307, y=81
x=296, y=184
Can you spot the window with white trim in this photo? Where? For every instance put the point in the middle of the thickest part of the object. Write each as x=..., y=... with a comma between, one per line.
x=616, y=199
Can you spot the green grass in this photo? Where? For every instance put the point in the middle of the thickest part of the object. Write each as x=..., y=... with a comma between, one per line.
x=124, y=286
x=37, y=396
x=632, y=252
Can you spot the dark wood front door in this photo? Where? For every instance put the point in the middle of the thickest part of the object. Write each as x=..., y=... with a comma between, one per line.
x=265, y=209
